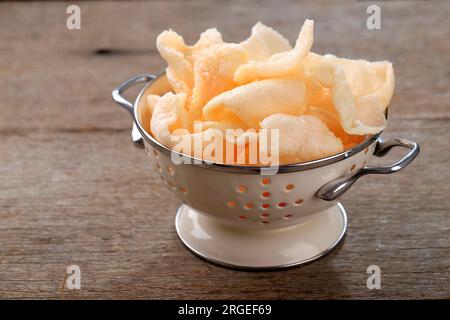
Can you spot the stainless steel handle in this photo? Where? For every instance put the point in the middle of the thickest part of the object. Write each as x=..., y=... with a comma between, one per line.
x=117, y=93
x=336, y=188
x=127, y=105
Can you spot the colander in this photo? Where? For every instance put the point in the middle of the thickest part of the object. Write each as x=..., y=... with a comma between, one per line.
x=236, y=217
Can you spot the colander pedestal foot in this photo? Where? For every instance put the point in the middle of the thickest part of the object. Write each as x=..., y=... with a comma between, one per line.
x=240, y=248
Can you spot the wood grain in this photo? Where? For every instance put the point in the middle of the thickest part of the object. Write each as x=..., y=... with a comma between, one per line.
x=75, y=191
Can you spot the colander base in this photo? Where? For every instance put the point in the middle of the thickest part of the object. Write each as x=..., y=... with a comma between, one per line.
x=238, y=248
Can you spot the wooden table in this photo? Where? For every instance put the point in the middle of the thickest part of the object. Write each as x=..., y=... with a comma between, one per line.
x=75, y=191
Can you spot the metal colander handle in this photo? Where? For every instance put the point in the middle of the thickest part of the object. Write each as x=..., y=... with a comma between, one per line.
x=127, y=105
x=335, y=189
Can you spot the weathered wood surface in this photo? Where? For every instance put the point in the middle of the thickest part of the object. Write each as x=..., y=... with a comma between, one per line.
x=75, y=191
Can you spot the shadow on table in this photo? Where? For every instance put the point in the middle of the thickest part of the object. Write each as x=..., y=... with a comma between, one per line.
x=315, y=280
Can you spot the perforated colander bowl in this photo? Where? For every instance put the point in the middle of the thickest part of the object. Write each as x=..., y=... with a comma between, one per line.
x=235, y=216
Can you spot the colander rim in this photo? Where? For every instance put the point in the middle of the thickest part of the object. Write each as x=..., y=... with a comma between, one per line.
x=282, y=168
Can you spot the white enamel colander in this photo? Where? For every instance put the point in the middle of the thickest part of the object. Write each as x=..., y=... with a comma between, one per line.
x=236, y=217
